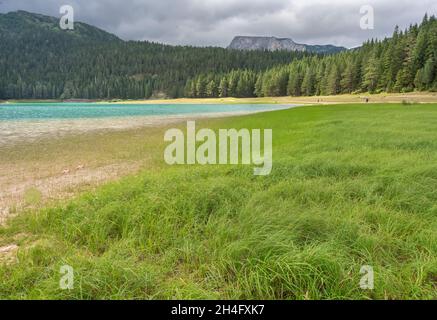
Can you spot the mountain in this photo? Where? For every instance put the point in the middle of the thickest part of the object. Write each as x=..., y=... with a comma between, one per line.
x=22, y=24
x=38, y=60
x=405, y=62
x=276, y=44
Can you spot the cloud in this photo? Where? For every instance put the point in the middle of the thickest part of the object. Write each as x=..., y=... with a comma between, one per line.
x=216, y=22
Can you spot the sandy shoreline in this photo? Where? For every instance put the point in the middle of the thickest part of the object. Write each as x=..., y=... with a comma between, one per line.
x=33, y=130
x=51, y=158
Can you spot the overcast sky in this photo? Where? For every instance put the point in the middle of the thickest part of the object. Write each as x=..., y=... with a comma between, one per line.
x=216, y=22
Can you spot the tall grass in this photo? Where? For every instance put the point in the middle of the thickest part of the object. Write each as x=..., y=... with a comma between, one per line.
x=351, y=186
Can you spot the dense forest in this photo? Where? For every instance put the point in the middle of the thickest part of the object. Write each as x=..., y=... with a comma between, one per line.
x=40, y=61
x=405, y=62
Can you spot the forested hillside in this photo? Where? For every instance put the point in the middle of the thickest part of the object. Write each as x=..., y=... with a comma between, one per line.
x=403, y=63
x=39, y=60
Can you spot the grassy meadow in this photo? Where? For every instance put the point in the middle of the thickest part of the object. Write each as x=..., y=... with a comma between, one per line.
x=351, y=185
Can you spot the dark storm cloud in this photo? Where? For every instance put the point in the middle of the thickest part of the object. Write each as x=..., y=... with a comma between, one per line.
x=215, y=22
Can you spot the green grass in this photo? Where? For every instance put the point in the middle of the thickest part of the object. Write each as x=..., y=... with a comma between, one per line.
x=351, y=186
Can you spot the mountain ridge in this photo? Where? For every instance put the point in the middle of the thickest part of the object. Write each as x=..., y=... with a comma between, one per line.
x=37, y=21
x=275, y=44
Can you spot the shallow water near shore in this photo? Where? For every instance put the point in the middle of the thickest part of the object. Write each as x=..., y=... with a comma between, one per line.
x=42, y=111
x=32, y=121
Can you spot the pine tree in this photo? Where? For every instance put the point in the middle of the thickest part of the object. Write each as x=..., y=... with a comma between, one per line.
x=241, y=86
x=429, y=73
x=308, y=83
x=201, y=87
x=320, y=77
x=420, y=49
x=294, y=81
x=347, y=81
x=279, y=83
x=232, y=84
x=371, y=75
x=419, y=80
x=212, y=89
x=333, y=81
x=405, y=76
x=259, y=86
x=223, y=88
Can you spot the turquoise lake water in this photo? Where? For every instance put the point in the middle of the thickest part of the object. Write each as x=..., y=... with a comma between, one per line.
x=47, y=111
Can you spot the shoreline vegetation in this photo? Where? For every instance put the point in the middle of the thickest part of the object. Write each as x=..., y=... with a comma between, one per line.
x=349, y=187
x=412, y=97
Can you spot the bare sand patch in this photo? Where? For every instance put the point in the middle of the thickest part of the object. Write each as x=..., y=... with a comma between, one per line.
x=34, y=192
x=411, y=97
x=8, y=253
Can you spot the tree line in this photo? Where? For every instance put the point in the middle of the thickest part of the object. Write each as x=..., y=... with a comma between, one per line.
x=403, y=63
x=38, y=61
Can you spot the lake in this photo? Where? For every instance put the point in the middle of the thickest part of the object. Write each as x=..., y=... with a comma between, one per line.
x=33, y=121
x=47, y=111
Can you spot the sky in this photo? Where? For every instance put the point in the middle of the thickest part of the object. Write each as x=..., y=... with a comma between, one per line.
x=216, y=22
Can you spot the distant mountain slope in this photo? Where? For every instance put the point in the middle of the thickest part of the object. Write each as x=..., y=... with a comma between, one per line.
x=20, y=24
x=275, y=44
x=38, y=60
